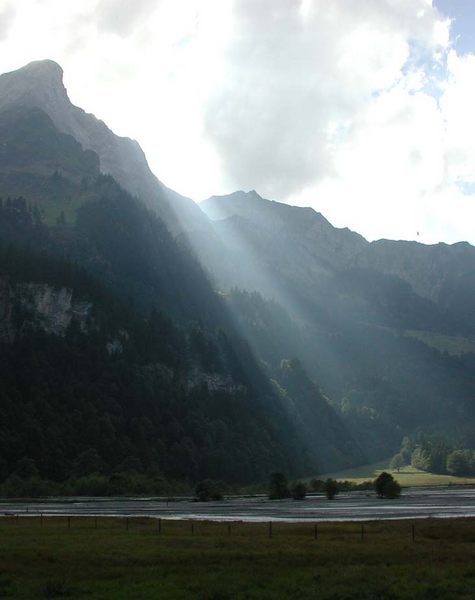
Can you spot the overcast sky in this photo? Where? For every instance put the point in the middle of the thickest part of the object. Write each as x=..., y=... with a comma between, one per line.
x=362, y=109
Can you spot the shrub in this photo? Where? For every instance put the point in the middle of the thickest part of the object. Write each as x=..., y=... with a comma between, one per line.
x=299, y=490
x=331, y=488
x=209, y=490
x=278, y=486
x=397, y=462
x=386, y=486
x=317, y=485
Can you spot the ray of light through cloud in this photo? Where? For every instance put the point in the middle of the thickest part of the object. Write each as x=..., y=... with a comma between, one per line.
x=361, y=110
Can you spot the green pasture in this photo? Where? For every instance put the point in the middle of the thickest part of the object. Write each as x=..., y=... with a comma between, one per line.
x=453, y=345
x=406, y=476
x=116, y=559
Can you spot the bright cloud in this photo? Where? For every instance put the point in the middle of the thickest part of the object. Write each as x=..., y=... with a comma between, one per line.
x=360, y=109
x=6, y=14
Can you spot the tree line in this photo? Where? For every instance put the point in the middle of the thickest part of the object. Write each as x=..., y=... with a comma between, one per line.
x=384, y=485
x=435, y=455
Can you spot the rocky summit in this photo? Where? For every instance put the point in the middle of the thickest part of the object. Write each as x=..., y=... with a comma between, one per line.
x=40, y=85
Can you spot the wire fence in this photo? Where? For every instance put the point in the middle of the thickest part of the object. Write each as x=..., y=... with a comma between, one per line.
x=195, y=527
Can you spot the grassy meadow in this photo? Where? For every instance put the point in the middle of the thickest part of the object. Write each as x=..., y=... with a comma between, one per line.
x=455, y=346
x=50, y=560
x=406, y=476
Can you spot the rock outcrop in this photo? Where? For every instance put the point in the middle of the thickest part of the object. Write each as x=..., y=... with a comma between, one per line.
x=39, y=306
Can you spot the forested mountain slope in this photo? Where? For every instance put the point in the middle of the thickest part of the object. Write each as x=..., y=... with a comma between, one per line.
x=116, y=349
x=89, y=386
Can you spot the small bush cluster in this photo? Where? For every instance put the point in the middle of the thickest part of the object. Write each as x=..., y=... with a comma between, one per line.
x=209, y=490
x=319, y=485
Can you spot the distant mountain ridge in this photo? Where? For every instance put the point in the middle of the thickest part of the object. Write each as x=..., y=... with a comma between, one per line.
x=433, y=272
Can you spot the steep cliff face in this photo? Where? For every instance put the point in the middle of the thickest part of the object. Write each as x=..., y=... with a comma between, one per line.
x=39, y=306
x=40, y=85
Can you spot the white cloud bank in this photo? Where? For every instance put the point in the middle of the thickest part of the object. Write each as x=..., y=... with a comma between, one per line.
x=362, y=110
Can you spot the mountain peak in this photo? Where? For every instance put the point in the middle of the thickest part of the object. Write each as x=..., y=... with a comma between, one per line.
x=37, y=74
x=46, y=69
x=251, y=195
x=221, y=207
x=38, y=84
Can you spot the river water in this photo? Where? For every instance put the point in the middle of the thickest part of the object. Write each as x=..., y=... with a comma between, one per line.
x=441, y=502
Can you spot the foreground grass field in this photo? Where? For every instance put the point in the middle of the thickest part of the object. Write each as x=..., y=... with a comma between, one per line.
x=215, y=563
x=407, y=476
